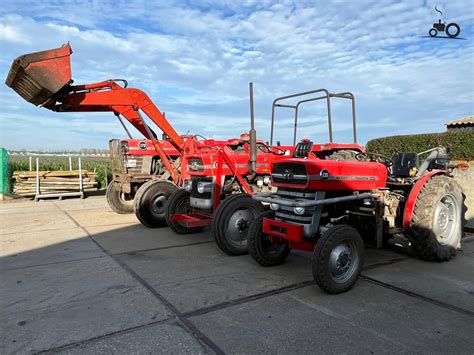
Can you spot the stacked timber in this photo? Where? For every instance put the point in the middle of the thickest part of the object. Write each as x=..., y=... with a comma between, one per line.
x=53, y=182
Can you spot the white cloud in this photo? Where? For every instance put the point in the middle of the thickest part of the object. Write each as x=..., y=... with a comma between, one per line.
x=196, y=62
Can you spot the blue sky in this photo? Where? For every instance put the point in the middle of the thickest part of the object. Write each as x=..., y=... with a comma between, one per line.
x=195, y=60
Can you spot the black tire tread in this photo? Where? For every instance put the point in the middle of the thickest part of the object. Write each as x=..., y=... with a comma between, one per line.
x=138, y=199
x=323, y=249
x=423, y=240
x=255, y=232
x=221, y=212
x=170, y=210
x=112, y=195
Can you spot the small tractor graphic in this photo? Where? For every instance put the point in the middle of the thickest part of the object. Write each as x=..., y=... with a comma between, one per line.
x=452, y=29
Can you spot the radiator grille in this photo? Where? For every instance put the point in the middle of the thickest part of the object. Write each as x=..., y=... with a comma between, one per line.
x=287, y=213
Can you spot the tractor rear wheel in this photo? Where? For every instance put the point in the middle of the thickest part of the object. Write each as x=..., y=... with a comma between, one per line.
x=231, y=221
x=262, y=248
x=178, y=203
x=438, y=219
x=150, y=200
x=118, y=200
x=338, y=259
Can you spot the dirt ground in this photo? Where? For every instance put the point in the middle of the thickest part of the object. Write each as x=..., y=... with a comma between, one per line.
x=79, y=278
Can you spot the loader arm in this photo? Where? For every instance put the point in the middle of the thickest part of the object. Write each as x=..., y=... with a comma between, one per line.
x=44, y=79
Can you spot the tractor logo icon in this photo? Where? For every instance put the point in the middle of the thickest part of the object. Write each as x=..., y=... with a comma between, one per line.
x=288, y=175
x=452, y=30
x=324, y=174
x=142, y=145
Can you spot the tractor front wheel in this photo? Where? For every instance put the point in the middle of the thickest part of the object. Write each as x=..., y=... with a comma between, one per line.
x=178, y=203
x=438, y=218
x=262, y=248
x=338, y=259
x=119, y=201
x=150, y=200
x=231, y=221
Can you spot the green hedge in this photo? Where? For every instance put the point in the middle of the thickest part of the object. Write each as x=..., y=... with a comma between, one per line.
x=459, y=144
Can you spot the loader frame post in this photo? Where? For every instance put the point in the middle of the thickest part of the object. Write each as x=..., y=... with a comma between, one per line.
x=252, y=134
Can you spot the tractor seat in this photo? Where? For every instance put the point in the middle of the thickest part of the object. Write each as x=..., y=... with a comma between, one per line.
x=405, y=164
x=302, y=149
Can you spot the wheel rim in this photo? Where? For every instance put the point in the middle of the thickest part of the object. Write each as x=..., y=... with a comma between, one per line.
x=126, y=198
x=237, y=228
x=158, y=205
x=445, y=220
x=343, y=261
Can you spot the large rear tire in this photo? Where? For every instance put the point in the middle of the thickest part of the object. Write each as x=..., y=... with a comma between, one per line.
x=438, y=219
x=178, y=203
x=338, y=259
x=262, y=249
x=150, y=200
x=119, y=201
x=231, y=222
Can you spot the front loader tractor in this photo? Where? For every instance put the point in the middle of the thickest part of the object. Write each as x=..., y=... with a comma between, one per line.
x=44, y=79
x=333, y=205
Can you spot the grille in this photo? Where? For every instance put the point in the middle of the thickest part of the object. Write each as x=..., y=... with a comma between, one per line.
x=195, y=164
x=287, y=213
x=134, y=164
x=289, y=174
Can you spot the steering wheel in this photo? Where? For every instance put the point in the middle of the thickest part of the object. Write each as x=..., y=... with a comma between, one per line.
x=266, y=149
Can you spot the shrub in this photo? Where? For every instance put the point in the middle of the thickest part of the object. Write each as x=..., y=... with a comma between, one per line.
x=460, y=144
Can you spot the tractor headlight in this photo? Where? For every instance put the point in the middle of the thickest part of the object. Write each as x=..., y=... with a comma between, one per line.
x=188, y=185
x=299, y=210
x=200, y=187
x=274, y=206
x=204, y=186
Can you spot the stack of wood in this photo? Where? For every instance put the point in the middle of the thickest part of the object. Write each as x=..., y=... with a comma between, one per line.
x=53, y=182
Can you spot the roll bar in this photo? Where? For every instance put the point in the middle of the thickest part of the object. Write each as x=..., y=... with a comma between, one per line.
x=321, y=94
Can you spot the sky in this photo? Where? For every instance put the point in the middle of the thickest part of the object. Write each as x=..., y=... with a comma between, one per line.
x=196, y=58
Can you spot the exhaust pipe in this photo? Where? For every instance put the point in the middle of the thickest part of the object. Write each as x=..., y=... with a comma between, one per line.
x=435, y=153
x=252, y=134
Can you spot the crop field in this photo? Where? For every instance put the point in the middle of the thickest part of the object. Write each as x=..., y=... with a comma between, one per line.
x=100, y=165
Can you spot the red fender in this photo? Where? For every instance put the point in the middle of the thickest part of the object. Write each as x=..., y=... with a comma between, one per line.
x=415, y=191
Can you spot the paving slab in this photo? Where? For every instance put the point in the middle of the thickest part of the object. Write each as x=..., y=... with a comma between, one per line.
x=368, y=319
x=89, y=202
x=46, y=247
x=450, y=282
x=101, y=217
x=134, y=237
x=201, y=275
x=26, y=207
x=169, y=338
x=49, y=306
x=41, y=220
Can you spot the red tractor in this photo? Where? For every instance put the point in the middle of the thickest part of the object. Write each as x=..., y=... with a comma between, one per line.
x=333, y=204
x=223, y=179
x=134, y=162
x=44, y=79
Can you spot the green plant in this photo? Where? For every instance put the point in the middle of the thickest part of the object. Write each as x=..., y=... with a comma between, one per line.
x=459, y=144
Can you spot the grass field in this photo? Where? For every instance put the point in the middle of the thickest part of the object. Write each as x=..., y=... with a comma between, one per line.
x=101, y=165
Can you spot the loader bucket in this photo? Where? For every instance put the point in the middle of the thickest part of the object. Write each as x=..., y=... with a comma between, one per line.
x=38, y=76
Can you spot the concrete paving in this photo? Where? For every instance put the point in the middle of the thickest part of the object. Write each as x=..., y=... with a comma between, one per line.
x=78, y=278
